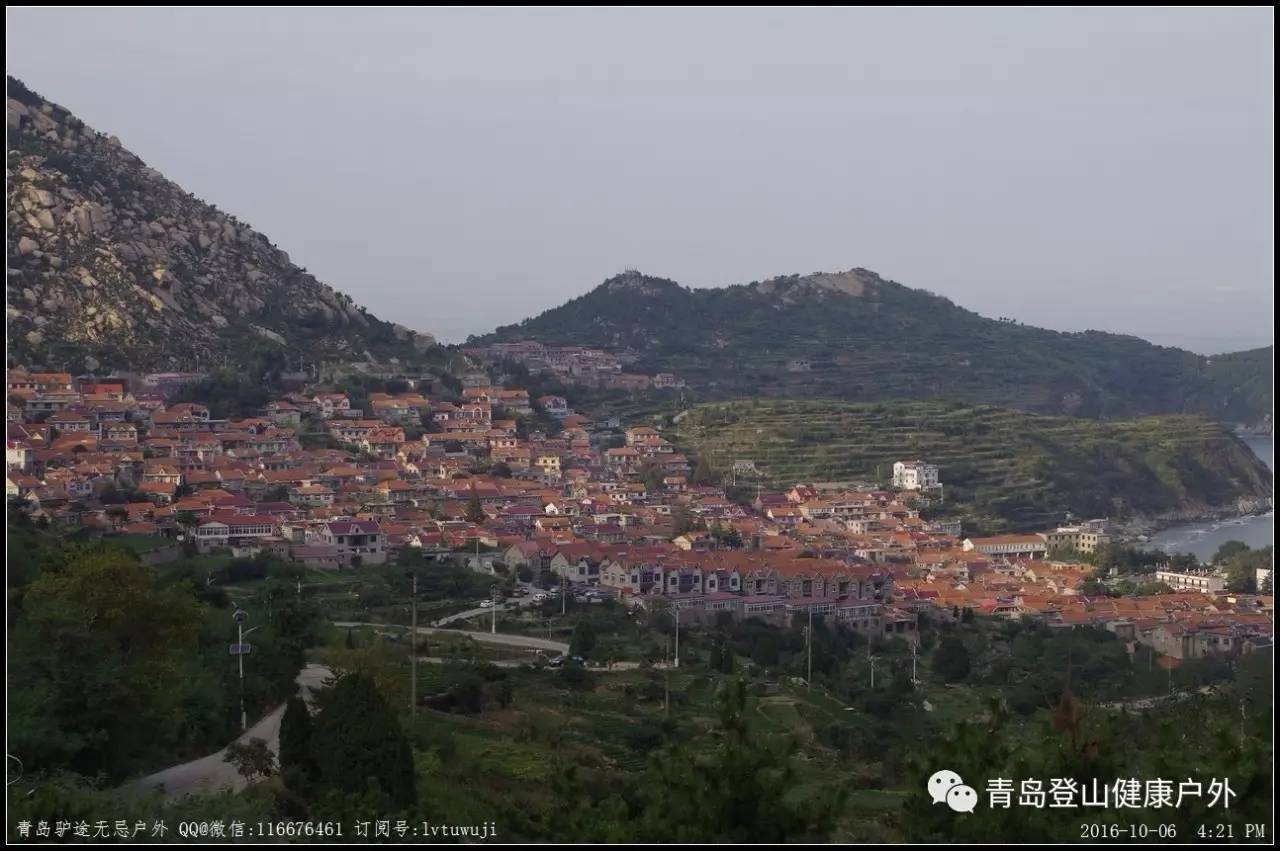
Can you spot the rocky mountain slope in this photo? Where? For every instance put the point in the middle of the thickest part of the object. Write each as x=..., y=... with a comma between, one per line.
x=855, y=335
x=111, y=265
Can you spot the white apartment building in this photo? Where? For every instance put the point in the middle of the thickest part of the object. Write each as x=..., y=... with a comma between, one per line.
x=915, y=476
x=1204, y=582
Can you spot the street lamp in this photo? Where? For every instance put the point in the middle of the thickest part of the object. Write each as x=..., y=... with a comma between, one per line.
x=240, y=650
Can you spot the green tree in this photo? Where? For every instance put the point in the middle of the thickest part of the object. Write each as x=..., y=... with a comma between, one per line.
x=742, y=791
x=716, y=659
x=252, y=759
x=652, y=475
x=951, y=660
x=475, y=511
x=117, y=514
x=1241, y=563
x=187, y=521
x=19, y=512
x=703, y=474
x=295, y=737
x=682, y=520
x=583, y=640
x=358, y=744
x=1229, y=550
x=106, y=649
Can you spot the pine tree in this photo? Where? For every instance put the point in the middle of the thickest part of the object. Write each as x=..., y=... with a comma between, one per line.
x=296, y=765
x=703, y=474
x=475, y=512
x=740, y=792
x=951, y=660
x=358, y=744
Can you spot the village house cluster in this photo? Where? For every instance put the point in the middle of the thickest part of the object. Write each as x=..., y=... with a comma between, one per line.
x=574, y=365
x=512, y=483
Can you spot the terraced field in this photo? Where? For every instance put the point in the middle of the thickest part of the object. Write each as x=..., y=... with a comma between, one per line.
x=1001, y=468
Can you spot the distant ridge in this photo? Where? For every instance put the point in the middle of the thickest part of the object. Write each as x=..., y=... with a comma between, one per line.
x=855, y=335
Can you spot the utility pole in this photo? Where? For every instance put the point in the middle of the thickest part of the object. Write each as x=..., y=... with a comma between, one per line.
x=413, y=646
x=666, y=692
x=1242, y=725
x=873, y=661
x=913, y=664
x=564, y=601
x=239, y=617
x=676, y=663
x=493, y=628
x=808, y=646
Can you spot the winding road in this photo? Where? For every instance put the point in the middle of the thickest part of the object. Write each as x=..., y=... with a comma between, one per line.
x=528, y=642
x=213, y=773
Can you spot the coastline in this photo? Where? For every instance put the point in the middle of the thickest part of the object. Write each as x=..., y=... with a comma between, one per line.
x=1128, y=531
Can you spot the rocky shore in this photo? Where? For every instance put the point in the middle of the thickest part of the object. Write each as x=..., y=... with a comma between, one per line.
x=1131, y=529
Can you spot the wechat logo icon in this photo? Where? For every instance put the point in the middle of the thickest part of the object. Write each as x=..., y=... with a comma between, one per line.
x=947, y=787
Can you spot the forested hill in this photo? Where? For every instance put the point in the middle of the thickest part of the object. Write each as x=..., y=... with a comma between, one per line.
x=857, y=336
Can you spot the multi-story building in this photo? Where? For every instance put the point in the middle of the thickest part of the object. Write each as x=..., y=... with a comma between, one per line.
x=1204, y=581
x=356, y=539
x=915, y=476
x=1081, y=539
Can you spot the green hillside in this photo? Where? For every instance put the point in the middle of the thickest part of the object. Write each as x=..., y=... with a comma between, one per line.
x=1246, y=380
x=853, y=335
x=1002, y=467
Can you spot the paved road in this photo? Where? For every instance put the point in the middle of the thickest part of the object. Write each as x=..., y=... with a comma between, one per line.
x=526, y=641
x=213, y=773
x=469, y=613
x=1159, y=700
x=516, y=663
x=513, y=604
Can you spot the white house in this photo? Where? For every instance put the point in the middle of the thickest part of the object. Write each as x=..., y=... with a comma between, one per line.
x=915, y=476
x=225, y=529
x=362, y=539
x=1009, y=546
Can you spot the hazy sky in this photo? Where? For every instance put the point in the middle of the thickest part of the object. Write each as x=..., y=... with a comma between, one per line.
x=459, y=169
